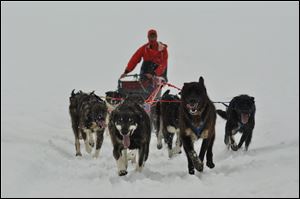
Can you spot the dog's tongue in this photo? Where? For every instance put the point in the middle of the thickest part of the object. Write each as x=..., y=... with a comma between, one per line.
x=245, y=118
x=126, y=141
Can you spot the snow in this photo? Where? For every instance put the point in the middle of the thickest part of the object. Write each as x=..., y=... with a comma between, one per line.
x=50, y=48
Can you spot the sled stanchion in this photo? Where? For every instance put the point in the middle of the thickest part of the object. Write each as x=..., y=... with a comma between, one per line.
x=154, y=94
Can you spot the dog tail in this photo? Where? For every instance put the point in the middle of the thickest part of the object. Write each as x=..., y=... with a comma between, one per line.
x=223, y=114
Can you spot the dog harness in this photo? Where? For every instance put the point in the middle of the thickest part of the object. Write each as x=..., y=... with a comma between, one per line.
x=197, y=130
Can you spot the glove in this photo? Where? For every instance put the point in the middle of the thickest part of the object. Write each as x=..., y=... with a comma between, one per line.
x=149, y=76
x=122, y=76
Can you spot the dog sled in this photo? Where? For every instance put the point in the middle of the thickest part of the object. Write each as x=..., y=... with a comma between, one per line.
x=148, y=89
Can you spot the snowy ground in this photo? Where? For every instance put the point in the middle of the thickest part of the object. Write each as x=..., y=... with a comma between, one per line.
x=45, y=55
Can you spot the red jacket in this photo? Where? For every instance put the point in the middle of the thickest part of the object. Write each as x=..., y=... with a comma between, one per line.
x=158, y=56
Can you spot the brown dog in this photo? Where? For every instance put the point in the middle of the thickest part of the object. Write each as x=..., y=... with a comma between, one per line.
x=197, y=120
x=88, y=113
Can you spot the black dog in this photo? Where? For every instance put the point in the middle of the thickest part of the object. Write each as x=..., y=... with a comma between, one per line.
x=197, y=120
x=136, y=99
x=240, y=116
x=113, y=99
x=129, y=128
x=168, y=122
x=88, y=113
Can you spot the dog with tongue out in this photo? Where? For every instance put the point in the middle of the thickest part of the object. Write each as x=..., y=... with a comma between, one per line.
x=129, y=128
x=240, y=116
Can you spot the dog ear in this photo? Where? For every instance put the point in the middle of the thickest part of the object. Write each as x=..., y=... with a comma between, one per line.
x=202, y=86
x=72, y=94
x=233, y=102
x=185, y=85
x=253, y=99
x=231, y=107
x=201, y=80
x=167, y=92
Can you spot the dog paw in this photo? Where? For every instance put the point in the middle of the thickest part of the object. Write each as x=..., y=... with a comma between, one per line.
x=228, y=146
x=174, y=151
x=159, y=146
x=198, y=164
x=226, y=140
x=234, y=147
x=88, y=149
x=96, y=154
x=210, y=164
x=139, y=168
x=191, y=171
x=170, y=153
x=177, y=150
x=78, y=154
x=123, y=173
x=246, y=148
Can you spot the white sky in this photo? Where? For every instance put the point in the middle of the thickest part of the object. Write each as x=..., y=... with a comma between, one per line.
x=49, y=48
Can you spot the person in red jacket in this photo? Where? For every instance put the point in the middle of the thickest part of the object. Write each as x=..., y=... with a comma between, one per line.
x=155, y=58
